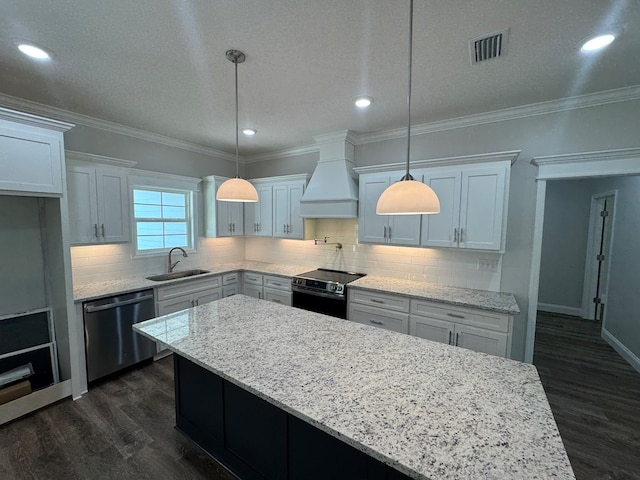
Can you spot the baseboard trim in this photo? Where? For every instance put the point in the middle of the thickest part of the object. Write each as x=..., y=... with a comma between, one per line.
x=34, y=401
x=624, y=352
x=562, y=309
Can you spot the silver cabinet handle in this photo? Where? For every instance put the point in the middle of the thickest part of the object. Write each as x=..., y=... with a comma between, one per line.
x=284, y=228
x=276, y=283
x=455, y=235
x=288, y=228
x=450, y=335
x=389, y=233
x=376, y=300
x=376, y=322
x=385, y=232
x=455, y=315
x=258, y=226
x=95, y=230
x=276, y=300
x=195, y=302
x=461, y=235
x=102, y=227
x=457, y=336
x=260, y=295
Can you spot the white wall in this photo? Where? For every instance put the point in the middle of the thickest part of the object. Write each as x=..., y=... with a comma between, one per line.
x=95, y=263
x=564, y=245
x=442, y=266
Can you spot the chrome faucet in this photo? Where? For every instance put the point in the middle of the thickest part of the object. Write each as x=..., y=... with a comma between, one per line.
x=173, y=265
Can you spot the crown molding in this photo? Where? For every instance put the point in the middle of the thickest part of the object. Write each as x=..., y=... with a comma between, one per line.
x=624, y=161
x=62, y=116
x=524, y=111
x=89, y=157
x=289, y=152
x=34, y=120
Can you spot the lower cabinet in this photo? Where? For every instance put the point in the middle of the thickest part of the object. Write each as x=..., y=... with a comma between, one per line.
x=230, y=284
x=256, y=440
x=187, y=294
x=390, y=312
x=267, y=287
x=478, y=330
x=475, y=329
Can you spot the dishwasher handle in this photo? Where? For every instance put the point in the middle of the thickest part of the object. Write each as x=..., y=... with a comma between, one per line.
x=99, y=308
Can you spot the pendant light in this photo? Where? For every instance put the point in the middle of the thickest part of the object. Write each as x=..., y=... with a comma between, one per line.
x=236, y=189
x=408, y=196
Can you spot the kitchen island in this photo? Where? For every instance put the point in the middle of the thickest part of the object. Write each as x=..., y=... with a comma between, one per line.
x=298, y=392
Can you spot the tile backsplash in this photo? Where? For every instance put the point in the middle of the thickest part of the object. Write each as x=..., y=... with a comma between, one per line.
x=455, y=267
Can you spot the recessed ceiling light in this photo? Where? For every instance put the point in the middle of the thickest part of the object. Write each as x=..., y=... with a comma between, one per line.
x=597, y=43
x=249, y=131
x=363, y=102
x=33, y=51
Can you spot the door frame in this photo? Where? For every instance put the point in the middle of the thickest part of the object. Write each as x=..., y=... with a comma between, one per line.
x=593, y=248
x=564, y=167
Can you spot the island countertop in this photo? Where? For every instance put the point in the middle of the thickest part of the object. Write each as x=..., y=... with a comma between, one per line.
x=427, y=409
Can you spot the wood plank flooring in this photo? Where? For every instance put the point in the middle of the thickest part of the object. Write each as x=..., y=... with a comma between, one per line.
x=122, y=429
x=594, y=395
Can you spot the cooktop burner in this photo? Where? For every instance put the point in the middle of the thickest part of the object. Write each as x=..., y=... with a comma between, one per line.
x=331, y=275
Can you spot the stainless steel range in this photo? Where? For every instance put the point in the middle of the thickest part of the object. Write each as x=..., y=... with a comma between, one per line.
x=323, y=291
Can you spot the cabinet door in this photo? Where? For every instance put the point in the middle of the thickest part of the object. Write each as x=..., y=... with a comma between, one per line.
x=296, y=222
x=431, y=329
x=379, y=317
x=175, y=305
x=482, y=208
x=83, y=205
x=258, y=217
x=223, y=219
x=252, y=291
x=113, y=205
x=372, y=228
x=277, y=296
x=404, y=230
x=440, y=230
x=207, y=296
x=280, y=210
x=236, y=217
x=480, y=340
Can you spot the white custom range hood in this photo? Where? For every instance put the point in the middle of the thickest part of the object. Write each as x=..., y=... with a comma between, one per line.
x=332, y=191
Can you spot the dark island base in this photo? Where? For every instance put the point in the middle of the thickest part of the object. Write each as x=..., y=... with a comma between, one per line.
x=256, y=440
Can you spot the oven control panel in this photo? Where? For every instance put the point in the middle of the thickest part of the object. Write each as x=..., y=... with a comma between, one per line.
x=317, y=286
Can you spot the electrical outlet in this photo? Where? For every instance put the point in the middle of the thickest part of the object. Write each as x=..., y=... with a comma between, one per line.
x=488, y=265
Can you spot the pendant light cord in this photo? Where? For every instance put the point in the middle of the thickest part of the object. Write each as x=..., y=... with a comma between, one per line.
x=408, y=175
x=237, y=159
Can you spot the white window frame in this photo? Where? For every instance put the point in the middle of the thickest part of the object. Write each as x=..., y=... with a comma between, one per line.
x=160, y=182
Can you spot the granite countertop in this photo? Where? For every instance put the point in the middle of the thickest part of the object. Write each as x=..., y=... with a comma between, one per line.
x=465, y=297
x=92, y=291
x=427, y=409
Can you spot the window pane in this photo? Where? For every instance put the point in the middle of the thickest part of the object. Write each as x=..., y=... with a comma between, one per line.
x=147, y=196
x=175, y=241
x=147, y=211
x=174, y=212
x=174, y=199
x=150, y=228
x=175, y=228
x=150, y=243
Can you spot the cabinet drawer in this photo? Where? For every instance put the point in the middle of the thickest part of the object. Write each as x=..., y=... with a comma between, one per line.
x=468, y=316
x=187, y=287
x=278, y=283
x=389, y=302
x=252, y=278
x=230, y=278
x=378, y=317
x=277, y=296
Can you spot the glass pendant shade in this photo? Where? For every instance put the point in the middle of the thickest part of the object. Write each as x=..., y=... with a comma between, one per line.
x=237, y=190
x=408, y=197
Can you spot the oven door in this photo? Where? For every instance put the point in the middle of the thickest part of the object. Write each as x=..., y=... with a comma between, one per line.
x=334, y=306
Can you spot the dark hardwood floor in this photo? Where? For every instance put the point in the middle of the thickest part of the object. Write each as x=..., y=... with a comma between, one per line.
x=122, y=429
x=594, y=395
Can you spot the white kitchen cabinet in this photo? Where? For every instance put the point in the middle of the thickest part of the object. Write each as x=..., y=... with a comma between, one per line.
x=230, y=216
x=478, y=330
x=386, y=311
x=98, y=204
x=32, y=157
x=277, y=289
x=287, y=222
x=252, y=285
x=258, y=217
x=385, y=229
x=472, y=206
x=230, y=284
x=187, y=294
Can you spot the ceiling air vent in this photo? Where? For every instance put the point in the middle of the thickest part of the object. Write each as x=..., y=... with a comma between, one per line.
x=489, y=46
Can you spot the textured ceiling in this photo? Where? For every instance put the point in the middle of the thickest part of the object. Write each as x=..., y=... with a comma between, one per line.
x=159, y=65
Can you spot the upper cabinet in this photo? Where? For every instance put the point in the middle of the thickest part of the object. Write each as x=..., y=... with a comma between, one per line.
x=98, y=203
x=230, y=216
x=287, y=222
x=31, y=154
x=472, y=206
x=258, y=217
x=387, y=229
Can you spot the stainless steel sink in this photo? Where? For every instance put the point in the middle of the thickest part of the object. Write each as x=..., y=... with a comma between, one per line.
x=174, y=275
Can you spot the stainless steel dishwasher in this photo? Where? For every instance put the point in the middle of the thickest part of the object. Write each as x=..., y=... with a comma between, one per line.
x=111, y=344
